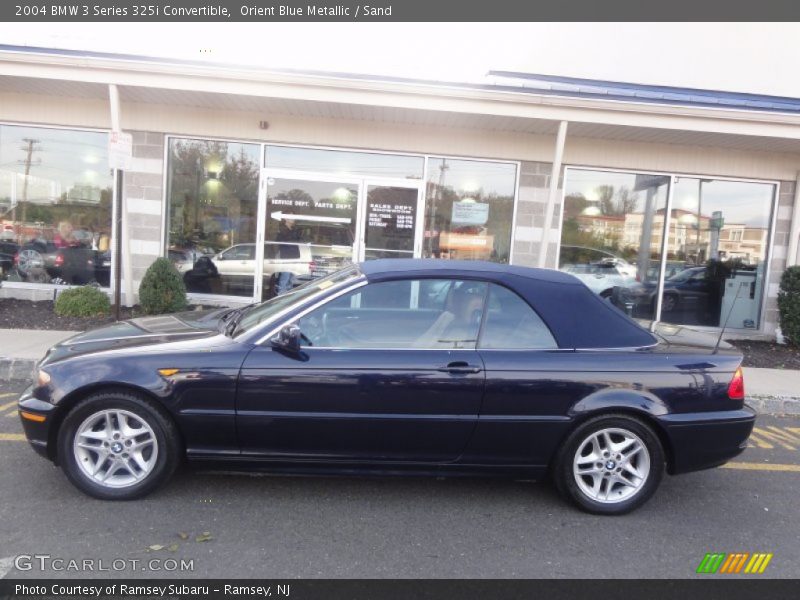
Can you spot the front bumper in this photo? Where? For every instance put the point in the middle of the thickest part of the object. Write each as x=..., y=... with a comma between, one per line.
x=37, y=432
x=706, y=440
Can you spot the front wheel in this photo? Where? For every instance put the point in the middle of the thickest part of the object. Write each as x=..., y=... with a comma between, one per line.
x=610, y=465
x=117, y=446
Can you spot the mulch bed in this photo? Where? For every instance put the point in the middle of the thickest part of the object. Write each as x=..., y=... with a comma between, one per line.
x=768, y=355
x=24, y=314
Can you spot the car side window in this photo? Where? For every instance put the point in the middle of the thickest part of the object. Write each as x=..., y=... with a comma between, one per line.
x=412, y=313
x=243, y=252
x=512, y=324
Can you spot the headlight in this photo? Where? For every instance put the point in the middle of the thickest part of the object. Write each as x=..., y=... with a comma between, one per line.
x=42, y=378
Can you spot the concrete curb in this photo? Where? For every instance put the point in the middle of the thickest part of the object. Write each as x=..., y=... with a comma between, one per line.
x=775, y=405
x=17, y=369
x=22, y=370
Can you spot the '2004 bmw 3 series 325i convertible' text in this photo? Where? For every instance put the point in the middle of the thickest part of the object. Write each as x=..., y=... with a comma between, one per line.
x=415, y=366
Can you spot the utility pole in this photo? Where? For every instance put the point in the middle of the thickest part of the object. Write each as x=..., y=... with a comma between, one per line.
x=29, y=147
x=443, y=168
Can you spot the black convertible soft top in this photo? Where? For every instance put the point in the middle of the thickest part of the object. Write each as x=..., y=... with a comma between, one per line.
x=576, y=316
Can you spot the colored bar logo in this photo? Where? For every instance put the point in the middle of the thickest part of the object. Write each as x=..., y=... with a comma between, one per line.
x=734, y=563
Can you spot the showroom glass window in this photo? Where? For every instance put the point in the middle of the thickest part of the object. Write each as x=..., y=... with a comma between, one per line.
x=367, y=164
x=55, y=206
x=469, y=208
x=717, y=246
x=612, y=235
x=212, y=197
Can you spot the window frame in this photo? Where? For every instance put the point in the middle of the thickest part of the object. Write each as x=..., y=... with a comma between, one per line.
x=295, y=320
x=673, y=175
x=24, y=285
x=227, y=300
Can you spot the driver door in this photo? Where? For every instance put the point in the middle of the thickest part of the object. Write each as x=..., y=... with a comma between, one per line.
x=388, y=372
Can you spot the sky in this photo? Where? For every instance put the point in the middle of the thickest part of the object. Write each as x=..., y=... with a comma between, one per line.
x=744, y=57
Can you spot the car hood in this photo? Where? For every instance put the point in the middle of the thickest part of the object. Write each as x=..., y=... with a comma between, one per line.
x=142, y=331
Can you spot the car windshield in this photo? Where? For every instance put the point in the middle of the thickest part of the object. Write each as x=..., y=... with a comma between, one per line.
x=265, y=311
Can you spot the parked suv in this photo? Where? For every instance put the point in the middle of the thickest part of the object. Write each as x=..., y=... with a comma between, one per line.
x=236, y=265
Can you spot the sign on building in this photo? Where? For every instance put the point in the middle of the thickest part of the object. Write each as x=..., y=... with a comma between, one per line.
x=469, y=212
x=120, y=150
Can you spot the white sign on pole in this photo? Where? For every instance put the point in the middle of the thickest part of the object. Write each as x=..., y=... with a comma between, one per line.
x=120, y=150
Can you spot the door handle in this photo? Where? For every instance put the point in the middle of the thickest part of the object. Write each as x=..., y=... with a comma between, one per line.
x=459, y=367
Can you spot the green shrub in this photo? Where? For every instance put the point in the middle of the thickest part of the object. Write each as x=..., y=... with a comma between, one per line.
x=789, y=304
x=162, y=289
x=86, y=301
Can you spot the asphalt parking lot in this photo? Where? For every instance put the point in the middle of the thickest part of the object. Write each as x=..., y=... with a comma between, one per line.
x=238, y=525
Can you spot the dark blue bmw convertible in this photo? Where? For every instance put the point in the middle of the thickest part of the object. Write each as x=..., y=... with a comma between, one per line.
x=396, y=366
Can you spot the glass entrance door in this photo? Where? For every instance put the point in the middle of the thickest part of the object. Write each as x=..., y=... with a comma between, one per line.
x=312, y=224
x=391, y=222
x=309, y=227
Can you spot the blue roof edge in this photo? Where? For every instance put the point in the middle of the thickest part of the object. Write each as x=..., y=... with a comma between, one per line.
x=634, y=92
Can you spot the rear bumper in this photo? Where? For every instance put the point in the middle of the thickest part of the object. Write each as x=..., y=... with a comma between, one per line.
x=38, y=433
x=706, y=440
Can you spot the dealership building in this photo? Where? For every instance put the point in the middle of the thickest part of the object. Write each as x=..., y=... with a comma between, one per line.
x=679, y=205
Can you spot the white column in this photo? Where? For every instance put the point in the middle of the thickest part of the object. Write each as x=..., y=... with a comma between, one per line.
x=552, y=196
x=794, y=230
x=127, y=268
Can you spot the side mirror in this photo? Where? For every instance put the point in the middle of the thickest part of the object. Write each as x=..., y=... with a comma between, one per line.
x=288, y=339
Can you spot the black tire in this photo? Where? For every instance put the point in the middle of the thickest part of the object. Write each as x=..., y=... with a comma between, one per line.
x=669, y=303
x=566, y=481
x=166, y=435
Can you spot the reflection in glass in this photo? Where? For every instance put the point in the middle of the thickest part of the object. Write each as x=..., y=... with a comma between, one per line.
x=720, y=232
x=344, y=161
x=316, y=217
x=55, y=206
x=212, y=196
x=612, y=235
x=469, y=209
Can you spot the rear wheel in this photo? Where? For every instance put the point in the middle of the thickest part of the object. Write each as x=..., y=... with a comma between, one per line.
x=669, y=303
x=117, y=446
x=610, y=465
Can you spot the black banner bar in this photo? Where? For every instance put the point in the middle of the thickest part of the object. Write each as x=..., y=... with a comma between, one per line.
x=708, y=587
x=149, y=11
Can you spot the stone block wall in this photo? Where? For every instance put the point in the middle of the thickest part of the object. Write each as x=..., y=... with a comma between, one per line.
x=144, y=195
x=534, y=185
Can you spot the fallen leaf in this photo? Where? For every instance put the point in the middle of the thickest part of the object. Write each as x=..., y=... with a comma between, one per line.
x=183, y=535
x=174, y=547
x=204, y=537
x=155, y=547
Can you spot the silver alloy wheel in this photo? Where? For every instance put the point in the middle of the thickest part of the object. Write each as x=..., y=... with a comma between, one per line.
x=115, y=448
x=611, y=465
x=28, y=260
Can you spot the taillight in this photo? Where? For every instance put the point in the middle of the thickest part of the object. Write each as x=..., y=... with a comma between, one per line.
x=312, y=266
x=59, y=260
x=736, y=386
x=16, y=259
